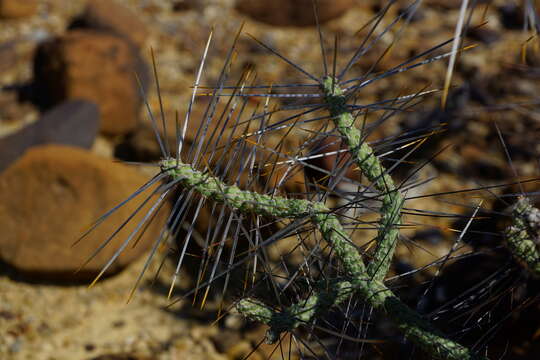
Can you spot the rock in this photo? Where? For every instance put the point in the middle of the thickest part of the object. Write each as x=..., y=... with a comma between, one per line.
x=14, y=9
x=51, y=195
x=71, y=123
x=110, y=16
x=93, y=66
x=293, y=13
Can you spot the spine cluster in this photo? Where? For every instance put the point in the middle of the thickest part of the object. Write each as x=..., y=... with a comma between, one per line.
x=359, y=279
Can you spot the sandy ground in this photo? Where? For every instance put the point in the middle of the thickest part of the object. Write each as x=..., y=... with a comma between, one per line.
x=42, y=321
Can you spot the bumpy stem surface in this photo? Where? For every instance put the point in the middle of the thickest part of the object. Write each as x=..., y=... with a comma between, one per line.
x=374, y=292
x=409, y=322
x=271, y=206
x=523, y=236
x=372, y=169
x=317, y=304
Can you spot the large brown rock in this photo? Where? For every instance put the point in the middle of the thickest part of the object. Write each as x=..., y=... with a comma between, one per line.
x=93, y=66
x=13, y=9
x=51, y=195
x=293, y=13
x=110, y=16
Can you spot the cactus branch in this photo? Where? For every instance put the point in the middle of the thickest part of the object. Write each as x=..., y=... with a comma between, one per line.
x=375, y=292
x=372, y=169
x=523, y=236
x=271, y=206
x=410, y=323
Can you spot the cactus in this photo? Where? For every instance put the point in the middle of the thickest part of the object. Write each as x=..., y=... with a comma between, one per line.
x=353, y=273
x=523, y=236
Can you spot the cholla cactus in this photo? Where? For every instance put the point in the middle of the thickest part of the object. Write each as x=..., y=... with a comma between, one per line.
x=226, y=164
x=523, y=236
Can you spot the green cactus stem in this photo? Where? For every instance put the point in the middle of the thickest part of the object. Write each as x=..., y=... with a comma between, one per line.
x=410, y=323
x=523, y=236
x=372, y=169
x=374, y=292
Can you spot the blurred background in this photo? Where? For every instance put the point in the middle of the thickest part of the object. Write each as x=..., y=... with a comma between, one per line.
x=72, y=112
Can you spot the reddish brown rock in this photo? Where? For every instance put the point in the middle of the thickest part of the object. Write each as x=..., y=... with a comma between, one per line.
x=51, y=195
x=93, y=66
x=112, y=17
x=293, y=13
x=14, y=9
